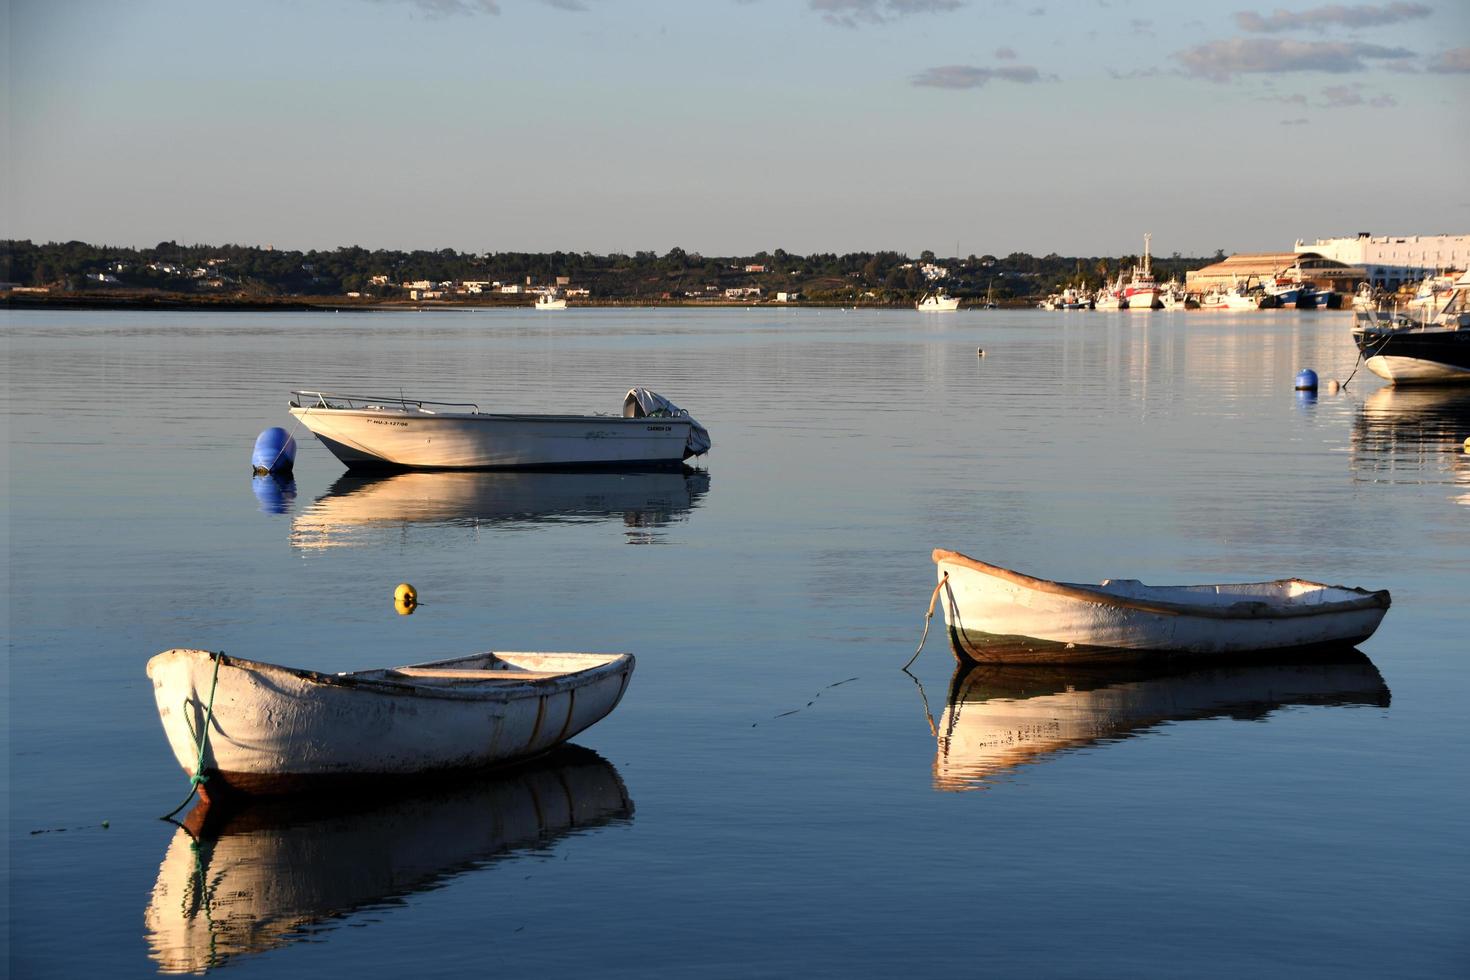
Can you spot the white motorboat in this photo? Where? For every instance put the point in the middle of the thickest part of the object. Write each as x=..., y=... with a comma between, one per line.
x=1425, y=349
x=365, y=431
x=996, y=615
x=938, y=302
x=273, y=729
x=551, y=300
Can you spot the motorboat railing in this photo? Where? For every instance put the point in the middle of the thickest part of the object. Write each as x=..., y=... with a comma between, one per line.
x=338, y=400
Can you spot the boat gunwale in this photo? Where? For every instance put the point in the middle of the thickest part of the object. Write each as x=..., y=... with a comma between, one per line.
x=1243, y=609
x=302, y=411
x=405, y=686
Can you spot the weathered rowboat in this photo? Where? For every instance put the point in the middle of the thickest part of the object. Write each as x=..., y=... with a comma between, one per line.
x=386, y=432
x=275, y=729
x=996, y=615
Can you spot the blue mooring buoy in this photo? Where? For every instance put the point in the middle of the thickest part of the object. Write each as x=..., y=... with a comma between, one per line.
x=275, y=451
x=1306, y=380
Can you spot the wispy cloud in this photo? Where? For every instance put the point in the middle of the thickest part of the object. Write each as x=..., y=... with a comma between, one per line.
x=470, y=8
x=1332, y=15
x=1455, y=60
x=1299, y=121
x=1005, y=54
x=972, y=76
x=1351, y=96
x=1221, y=61
x=851, y=13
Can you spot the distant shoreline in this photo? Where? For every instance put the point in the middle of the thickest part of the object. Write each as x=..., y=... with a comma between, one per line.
x=342, y=304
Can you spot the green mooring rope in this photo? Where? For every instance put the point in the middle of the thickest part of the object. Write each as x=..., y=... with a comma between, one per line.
x=199, y=776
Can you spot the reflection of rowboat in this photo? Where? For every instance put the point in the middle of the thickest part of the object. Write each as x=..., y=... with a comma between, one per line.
x=357, y=503
x=1000, y=717
x=278, y=729
x=247, y=881
x=997, y=615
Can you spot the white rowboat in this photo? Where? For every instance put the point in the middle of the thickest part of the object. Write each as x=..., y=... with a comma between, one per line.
x=365, y=431
x=996, y=615
x=278, y=729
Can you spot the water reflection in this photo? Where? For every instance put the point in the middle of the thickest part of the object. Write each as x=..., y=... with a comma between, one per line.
x=1414, y=435
x=1001, y=717
x=276, y=492
x=355, y=507
x=258, y=878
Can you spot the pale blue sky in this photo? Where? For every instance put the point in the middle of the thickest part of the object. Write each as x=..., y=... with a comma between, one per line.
x=729, y=126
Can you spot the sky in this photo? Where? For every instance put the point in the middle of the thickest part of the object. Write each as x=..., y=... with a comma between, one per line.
x=726, y=127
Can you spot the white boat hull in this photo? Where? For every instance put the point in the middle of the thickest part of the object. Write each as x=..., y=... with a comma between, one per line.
x=1415, y=370
x=553, y=304
x=1143, y=299
x=415, y=440
x=277, y=729
x=995, y=615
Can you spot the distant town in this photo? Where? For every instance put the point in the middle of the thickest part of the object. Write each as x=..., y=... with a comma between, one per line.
x=169, y=274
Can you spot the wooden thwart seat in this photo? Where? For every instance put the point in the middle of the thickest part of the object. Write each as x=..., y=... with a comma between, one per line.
x=448, y=673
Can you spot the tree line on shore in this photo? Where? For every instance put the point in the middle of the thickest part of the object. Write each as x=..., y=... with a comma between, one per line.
x=265, y=273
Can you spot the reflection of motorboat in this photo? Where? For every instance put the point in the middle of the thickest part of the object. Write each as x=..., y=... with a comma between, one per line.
x=1414, y=430
x=996, y=615
x=250, y=880
x=356, y=506
x=1000, y=717
x=248, y=727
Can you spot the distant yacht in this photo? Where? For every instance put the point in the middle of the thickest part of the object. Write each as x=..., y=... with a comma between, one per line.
x=937, y=302
x=551, y=300
x=1142, y=292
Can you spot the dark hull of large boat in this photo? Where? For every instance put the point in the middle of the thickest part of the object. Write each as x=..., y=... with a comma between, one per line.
x=1431, y=356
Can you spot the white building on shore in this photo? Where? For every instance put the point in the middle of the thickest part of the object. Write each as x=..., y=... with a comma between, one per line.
x=1390, y=261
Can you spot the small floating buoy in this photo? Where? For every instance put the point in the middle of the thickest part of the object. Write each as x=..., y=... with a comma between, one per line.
x=275, y=451
x=1333, y=386
x=1467, y=445
x=1306, y=380
x=405, y=599
x=979, y=351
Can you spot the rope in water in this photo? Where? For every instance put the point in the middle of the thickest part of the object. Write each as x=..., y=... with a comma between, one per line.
x=199, y=776
x=928, y=617
x=290, y=436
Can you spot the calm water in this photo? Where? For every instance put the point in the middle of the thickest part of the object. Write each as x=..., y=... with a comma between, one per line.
x=774, y=796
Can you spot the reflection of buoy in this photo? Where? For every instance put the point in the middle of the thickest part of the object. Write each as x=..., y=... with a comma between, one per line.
x=275, y=451
x=1306, y=380
x=405, y=599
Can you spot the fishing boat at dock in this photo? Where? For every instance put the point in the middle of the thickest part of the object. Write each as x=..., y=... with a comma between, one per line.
x=378, y=432
x=1142, y=293
x=245, y=727
x=996, y=615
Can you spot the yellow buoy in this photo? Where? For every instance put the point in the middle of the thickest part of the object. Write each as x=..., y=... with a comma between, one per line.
x=1467, y=445
x=405, y=598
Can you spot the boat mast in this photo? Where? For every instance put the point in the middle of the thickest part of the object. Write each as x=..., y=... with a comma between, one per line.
x=1146, y=238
